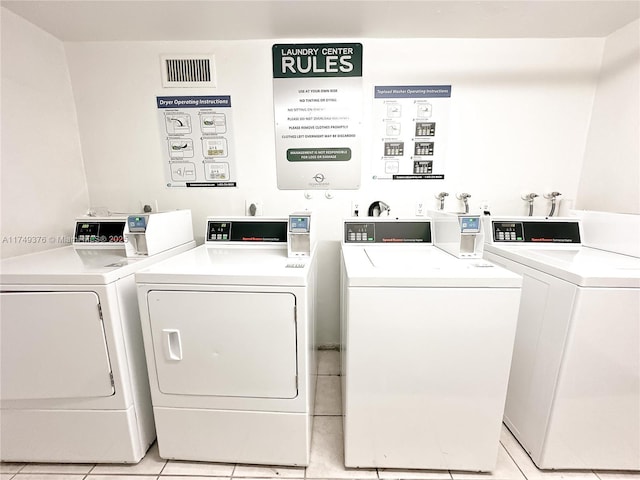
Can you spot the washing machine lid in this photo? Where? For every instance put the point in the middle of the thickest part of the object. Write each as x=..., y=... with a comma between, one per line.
x=420, y=266
x=582, y=266
x=230, y=265
x=67, y=266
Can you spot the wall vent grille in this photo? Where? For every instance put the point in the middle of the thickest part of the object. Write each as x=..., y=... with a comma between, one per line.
x=188, y=71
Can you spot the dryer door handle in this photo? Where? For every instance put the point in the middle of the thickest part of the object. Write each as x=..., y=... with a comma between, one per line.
x=173, y=344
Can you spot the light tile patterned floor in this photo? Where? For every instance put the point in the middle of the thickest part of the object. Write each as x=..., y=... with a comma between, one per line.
x=326, y=456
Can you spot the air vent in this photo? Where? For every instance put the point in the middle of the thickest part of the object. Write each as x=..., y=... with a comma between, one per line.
x=188, y=71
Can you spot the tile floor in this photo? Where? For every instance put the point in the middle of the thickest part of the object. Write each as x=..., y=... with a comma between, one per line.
x=326, y=456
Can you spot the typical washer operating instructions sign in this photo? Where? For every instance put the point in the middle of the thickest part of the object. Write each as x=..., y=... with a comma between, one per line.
x=410, y=131
x=197, y=141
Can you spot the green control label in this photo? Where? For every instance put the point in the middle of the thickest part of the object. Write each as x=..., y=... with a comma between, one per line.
x=318, y=154
x=317, y=60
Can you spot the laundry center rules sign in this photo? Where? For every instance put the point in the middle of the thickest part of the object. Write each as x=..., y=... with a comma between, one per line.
x=317, y=96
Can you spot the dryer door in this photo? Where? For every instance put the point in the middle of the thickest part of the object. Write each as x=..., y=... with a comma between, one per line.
x=237, y=344
x=53, y=346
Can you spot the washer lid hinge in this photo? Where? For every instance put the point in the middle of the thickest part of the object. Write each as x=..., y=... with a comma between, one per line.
x=100, y=312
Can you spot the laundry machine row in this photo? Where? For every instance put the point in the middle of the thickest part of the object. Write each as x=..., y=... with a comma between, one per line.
x=427, y=336
x=73, y=380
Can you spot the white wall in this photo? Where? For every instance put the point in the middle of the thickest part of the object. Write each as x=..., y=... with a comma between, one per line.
x=43, y=184
x=519, y=121
x=610, y=178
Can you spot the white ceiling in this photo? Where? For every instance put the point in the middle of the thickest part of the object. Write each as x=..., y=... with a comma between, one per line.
x=123, y=20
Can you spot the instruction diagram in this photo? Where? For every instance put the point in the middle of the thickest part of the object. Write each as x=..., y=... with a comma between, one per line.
x=411, y=125
x=198, y=140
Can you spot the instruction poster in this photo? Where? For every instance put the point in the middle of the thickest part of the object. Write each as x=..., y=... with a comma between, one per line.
x=197, y=141
x=317, y=96
x=411, y=125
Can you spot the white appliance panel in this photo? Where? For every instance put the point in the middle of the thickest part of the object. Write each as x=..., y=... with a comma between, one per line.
x=235, y=344
x=271, y=438
x=539, y=342
x=55, y=436
x=53, y=346
x=427, y=369
x=599, y=385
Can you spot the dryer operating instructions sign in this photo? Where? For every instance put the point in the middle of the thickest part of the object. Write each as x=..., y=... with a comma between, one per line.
x=317, y=97
x=197, y=141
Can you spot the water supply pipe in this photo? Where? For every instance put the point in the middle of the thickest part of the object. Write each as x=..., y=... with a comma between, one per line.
x=464, y=197
x=530, y=197
x=552, y=196
x=441, y=196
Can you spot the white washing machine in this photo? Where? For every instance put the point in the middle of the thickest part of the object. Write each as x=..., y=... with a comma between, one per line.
x=73, y=379
x=426, y=347
x=574, y=392
x=229, y=337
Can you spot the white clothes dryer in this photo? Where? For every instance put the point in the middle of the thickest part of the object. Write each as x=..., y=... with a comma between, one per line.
x=73, y=378
x=230, y=346
x=426, y=347
x=574, y=391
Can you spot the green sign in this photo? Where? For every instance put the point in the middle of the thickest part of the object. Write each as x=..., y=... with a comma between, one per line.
x=317, y=60
x=318, y=154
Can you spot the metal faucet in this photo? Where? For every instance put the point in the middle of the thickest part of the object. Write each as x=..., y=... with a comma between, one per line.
x=530, y=197
x=441, y=196
x=552, y=196
x=464, y=197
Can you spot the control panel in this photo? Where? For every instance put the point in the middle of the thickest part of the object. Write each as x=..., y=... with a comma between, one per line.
x=536, y=231
x=359, y=232
x=508, y=232
x=219, y=231
x=470, y=224
x=137, y=223
x=99, y=232
x=300, y=224
x=387, y=232
x=263, y=231
x=459, y=234
x=301, y=239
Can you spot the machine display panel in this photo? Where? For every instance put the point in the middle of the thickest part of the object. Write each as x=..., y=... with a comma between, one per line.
x=219, y=231
x=359, y=232
x=387, y=232
x=508, y=232
x=240, y=231
x=299, y=224
x=137, y=223
x=470, y=224
x=537, y=231
x=99, y=232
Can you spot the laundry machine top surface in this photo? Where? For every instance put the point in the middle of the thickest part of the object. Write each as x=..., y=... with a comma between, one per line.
x=400, y=253
x=554, y=246
x=231, y=265
x=580, y=265
x=68, y=266
x=420, y=266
